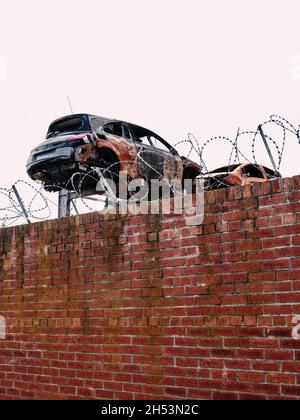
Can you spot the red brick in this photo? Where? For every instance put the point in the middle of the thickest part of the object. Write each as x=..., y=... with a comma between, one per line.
x=280, y=378
x=237, y=364
x=292, y=367
x=254, y=397
x=251, y=376
x=275, y=354
x=291, y=390
x=218, y=395
x=266, y=366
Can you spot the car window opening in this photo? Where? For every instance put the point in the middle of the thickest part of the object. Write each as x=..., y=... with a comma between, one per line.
x=252, y=171
x=114, y=128
x=149, y=138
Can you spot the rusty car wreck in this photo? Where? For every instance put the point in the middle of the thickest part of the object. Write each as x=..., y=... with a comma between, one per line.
x=238, y=175
x=78, y=143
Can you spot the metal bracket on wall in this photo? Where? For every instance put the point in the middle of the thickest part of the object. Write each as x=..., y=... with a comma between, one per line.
x=20, y=201
x=66, y=198
x=263, y=136
x=64, y=202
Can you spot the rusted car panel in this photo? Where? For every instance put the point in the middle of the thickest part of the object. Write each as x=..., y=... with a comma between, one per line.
x=238, y=175
x=80, y=142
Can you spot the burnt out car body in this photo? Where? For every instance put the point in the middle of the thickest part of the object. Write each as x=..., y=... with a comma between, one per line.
x=77, y=143
x=238, y=175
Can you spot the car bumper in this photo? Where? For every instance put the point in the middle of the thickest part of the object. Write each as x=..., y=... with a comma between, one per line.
x=41, y=163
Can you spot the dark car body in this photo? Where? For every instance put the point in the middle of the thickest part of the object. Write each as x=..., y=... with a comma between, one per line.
x=82, y=141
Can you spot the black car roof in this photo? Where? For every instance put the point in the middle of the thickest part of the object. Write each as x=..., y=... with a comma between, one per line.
x=108, y=120
x=104, y=119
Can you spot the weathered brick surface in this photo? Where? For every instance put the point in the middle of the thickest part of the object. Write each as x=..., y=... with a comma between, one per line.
x=146, y=307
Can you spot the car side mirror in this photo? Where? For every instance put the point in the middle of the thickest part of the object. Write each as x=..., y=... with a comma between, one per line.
x=101, y=135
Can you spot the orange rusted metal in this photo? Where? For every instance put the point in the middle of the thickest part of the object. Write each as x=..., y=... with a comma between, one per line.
x=238, y=175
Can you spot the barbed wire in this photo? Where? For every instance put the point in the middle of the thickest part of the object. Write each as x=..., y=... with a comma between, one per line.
x=41, y=207
x=194, y=145
x=284, y=124
x=12, y=212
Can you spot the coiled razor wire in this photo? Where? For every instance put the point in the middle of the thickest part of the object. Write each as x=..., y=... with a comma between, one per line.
x=194, y=144
x=13, y=212
x=40, y=206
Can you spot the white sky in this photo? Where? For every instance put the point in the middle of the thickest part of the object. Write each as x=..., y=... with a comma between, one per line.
x=174, y=66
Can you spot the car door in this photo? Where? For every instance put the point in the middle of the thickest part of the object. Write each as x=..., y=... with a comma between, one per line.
x=156, y=158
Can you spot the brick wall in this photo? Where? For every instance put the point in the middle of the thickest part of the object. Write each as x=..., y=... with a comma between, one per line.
x=116, y=307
